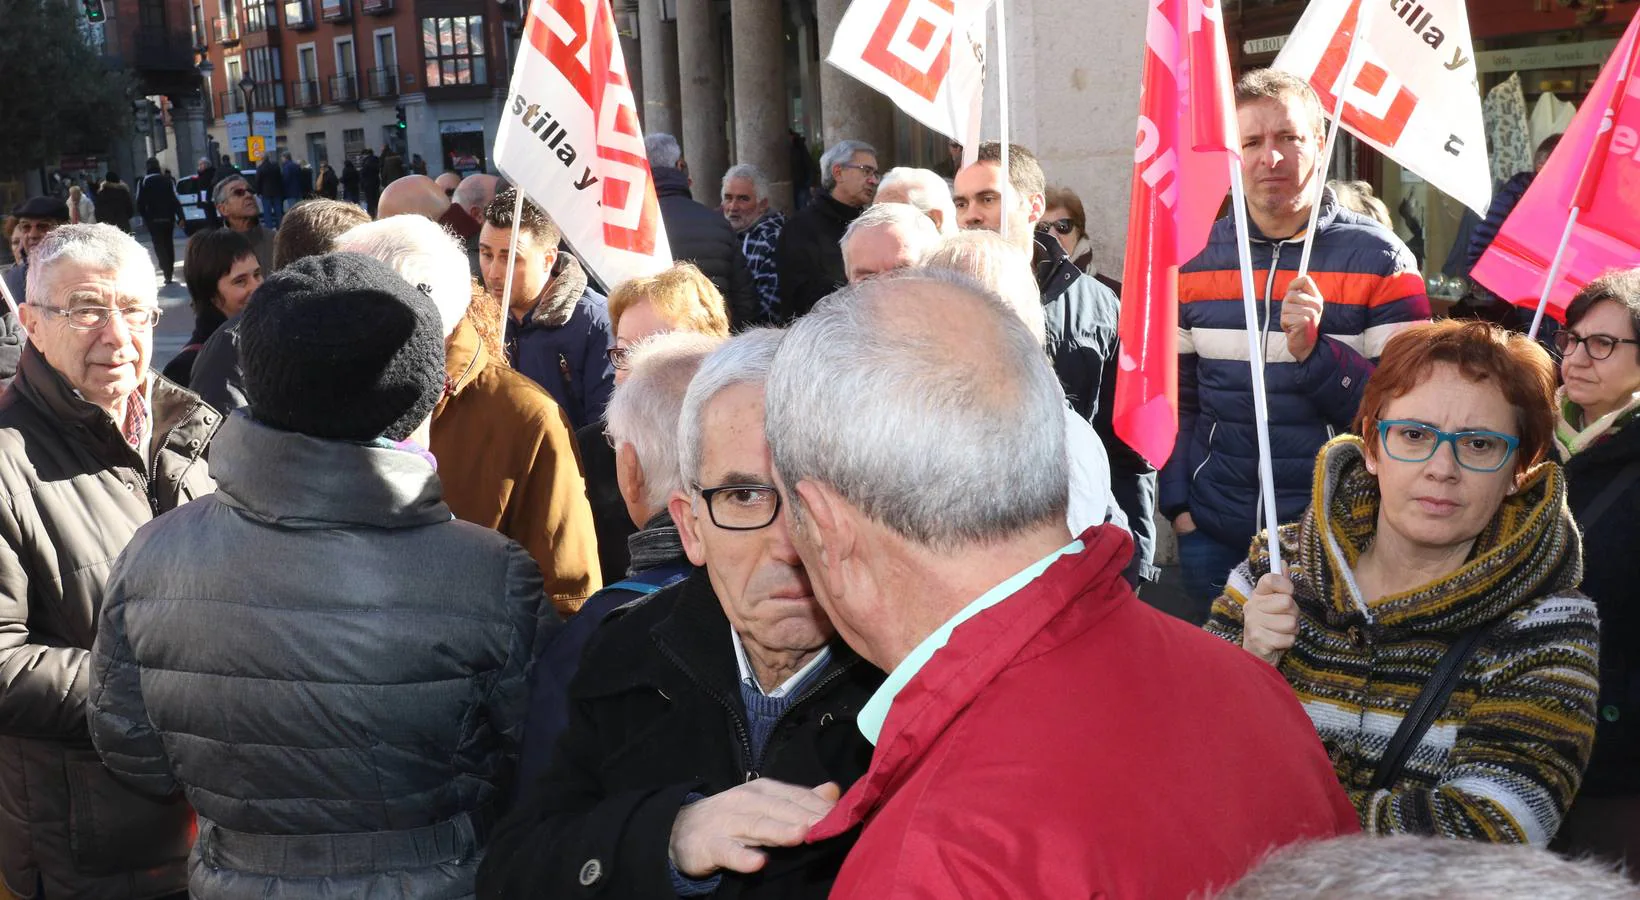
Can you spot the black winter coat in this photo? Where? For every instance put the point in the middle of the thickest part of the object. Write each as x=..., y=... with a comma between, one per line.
x=270, y=183
x=1611, y=571
x=702, y=236
x=810, y=256
x=656, y=715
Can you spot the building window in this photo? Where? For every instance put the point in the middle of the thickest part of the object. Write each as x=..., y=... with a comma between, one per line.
x=353, y=143
x=454, y=50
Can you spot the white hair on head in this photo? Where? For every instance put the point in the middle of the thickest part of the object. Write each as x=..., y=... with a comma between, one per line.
x=643, y=411
x=999, y=265
x=838, y=155
x=947, y=449
x=474, y=190
x=424, y=254
x=95, y=248
x=743, y=359
x=759, y=180
x=922, y=188
x=917, y=231
x=663, y=150
x=1413, y=867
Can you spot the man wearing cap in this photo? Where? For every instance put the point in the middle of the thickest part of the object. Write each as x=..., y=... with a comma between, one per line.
x=93, y=445
x=341, y=694
x=35, y=219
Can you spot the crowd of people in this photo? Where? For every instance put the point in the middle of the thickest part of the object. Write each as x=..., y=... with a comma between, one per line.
x=808, y=566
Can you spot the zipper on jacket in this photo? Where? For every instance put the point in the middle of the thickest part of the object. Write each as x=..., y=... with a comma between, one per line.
x=154, y=450
x=738, y=717
x=1210, y=432
x=801, y=699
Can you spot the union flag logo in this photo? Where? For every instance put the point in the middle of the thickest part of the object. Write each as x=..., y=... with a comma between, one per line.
x=912, y=44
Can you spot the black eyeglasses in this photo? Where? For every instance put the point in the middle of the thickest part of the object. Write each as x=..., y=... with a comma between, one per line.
x=619, y=357
x=741, y=507
x=1598, y=346
x=1063, y=226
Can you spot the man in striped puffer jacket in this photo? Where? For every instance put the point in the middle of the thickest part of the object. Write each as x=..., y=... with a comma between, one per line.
x=1322, y=335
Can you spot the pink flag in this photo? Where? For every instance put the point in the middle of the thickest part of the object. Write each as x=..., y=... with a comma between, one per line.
x=1181, y=171
x=1596, y=168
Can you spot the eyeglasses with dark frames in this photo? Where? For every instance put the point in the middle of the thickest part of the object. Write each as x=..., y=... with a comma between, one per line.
x=1598, y=346
x=619, y=357
x=741, y=507
x=1477, y=451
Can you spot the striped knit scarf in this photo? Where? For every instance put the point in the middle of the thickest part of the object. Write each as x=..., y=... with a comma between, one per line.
x=1572, y=438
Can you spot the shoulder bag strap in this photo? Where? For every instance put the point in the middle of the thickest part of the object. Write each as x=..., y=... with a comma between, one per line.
x=1431, y=700
x=1613, y=492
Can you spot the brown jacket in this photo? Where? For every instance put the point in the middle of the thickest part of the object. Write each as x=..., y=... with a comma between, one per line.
x=75, y=493
x=509, y=462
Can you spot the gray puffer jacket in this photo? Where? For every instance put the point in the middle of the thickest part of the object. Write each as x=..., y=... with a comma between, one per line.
x=75, y=492
x=339, y=690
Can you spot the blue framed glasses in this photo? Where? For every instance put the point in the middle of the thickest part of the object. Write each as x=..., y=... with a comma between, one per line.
x=1477, y=451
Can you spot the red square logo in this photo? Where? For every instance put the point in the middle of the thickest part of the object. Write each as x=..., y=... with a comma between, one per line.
x=922, y=30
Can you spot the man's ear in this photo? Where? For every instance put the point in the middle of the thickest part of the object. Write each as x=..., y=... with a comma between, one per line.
x=830, y=529
x=27, y=316
x=629, y=476
x=682, y=508
x=1038, y=204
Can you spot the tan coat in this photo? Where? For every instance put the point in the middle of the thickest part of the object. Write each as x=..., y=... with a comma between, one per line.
x=509, y=462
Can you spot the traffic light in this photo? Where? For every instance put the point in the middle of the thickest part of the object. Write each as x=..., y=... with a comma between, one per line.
x=398, y=109
x=93, y=10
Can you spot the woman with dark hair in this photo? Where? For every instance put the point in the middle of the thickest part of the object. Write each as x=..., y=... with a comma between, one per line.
x=222, y=272
x=1597, y=435
x=1427, y=615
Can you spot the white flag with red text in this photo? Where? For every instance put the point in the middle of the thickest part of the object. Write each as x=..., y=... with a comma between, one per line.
x=570, y=140
x=928, y=56
x=1415, y=96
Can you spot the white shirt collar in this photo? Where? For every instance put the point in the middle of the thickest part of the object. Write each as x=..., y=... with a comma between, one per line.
x=790, y=684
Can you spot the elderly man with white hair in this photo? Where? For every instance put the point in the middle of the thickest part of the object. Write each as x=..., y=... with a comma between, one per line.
x=713, y=723
x=698, y=234
x=925, y=190
x=642, y=425
x=746, y=206
x=809, y=259
x=93, y=445
x=506, y=456
x=886, y=237
x=1031, y=694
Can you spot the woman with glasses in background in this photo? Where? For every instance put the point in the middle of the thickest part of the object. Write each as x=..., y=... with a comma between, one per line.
x=1428, y=617
x=1597, y=437
x=1066, y=222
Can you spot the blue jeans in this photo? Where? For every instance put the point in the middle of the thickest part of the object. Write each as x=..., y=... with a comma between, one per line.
x=1206, y=565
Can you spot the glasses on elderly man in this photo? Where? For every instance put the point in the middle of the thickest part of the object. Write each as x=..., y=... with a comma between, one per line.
x=741, y=507
x=94, y=318
x=1598, y=346
x=1477, y=451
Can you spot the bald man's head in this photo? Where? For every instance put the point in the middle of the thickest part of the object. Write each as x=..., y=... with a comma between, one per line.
x=415, y=195
x=448, y=182
x=475, y=193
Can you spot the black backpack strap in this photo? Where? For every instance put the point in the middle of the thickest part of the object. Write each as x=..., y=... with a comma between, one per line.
x=1431, y=700
x=1613, y=492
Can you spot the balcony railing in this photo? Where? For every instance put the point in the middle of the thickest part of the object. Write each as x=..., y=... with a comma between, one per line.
x=226, y=29
x=376, y=7
x=335, y=10
x=304, y=94
x=230, y=102
x=382, y=83
x=298, y=14
x=266, y=96
x=262, y=17
x=344, y=88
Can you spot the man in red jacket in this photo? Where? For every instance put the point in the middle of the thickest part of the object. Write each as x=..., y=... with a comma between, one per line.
x=1042, y=733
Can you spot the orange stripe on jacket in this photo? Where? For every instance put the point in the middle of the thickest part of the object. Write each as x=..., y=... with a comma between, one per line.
x=1343, y=288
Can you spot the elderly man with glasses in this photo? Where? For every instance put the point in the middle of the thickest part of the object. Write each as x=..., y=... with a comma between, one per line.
x=713, y=723
x=92, y=446
x=236, y=205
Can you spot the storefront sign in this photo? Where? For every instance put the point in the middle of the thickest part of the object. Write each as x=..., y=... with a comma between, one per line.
x=1558, y=56
x=1264, y=45
x=239, y=128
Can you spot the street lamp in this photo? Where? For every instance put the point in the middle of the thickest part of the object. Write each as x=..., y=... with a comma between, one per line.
x=247, y=86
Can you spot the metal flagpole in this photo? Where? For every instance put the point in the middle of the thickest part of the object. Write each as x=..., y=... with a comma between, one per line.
x=11, y=303
x=1255, y=362
x=1002, y=98
x=1324, y=162
x=512, y=260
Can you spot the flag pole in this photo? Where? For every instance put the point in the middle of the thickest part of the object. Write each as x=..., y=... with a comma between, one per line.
x=512, y=257
x=1255, y=361
x=11, y=304
x=1324, y=162
x=1002, y=96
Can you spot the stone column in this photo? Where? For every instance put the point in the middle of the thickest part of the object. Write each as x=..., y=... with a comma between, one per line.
x=192, y=142
x=758, y=34
x=662, y=105
x=848, y=108
x=700, y=70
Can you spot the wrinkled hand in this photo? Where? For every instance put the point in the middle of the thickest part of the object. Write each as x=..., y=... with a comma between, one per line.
x=1270, y=619
x=1301, y=316
x=724, y=830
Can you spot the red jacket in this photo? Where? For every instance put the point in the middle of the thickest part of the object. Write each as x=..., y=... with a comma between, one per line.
x=1071, y=741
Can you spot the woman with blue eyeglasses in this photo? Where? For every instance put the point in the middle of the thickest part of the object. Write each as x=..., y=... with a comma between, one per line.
x=1429, y=617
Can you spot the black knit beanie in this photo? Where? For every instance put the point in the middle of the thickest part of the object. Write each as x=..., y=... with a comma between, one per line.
x=340, y=347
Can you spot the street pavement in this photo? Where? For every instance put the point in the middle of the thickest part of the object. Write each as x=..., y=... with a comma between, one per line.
x=176, y=321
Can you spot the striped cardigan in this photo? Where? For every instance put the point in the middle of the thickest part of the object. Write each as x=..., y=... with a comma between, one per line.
x=1503, y=760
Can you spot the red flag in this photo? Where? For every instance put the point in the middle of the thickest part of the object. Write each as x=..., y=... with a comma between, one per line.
x=1594, y=168
x=1181, y=171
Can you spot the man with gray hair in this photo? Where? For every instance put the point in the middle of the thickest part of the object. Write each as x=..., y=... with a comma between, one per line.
x=93, y=445
x=923, y=189
x=746, y=207
x=712, y=723
x=886, y=237
x=699, y=235
x=1031, y=693
x=810, y=258
x=507, y=458
x=236, y=205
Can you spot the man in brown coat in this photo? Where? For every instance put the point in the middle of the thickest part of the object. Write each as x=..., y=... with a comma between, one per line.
x=506, y=454
x=93, y=444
